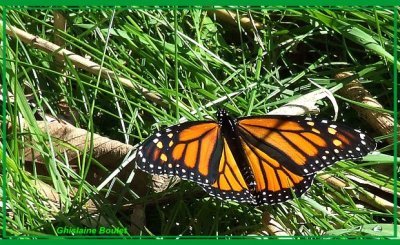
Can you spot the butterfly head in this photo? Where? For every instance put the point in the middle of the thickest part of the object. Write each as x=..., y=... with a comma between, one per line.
x=222, y=115
x=225, y=120
x=221, y=112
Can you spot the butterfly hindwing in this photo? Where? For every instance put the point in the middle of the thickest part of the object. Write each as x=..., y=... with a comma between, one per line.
x=230, y=183
x=275, y=183
x=191, y=150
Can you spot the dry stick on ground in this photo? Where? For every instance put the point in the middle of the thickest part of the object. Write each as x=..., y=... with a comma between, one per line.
x=60, y=25
x=231, y=18
x=80, y=62
x=380, y=121
x=70, y=142
x=110, y=153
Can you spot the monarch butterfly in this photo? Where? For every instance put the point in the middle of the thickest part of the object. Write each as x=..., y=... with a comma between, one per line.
x=257, y=159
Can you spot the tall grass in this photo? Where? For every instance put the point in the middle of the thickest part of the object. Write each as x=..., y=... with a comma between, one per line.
x=192, y=62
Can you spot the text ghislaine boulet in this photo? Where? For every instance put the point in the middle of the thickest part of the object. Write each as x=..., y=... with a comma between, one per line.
x=65, y=230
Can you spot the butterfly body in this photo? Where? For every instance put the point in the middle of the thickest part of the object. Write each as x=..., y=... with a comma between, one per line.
x=230, y=132
x=257, y=160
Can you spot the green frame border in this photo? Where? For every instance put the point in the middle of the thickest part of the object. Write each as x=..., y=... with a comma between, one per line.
x=395, y=129
x=144, y=4
x=201, y=3
x=4, y=125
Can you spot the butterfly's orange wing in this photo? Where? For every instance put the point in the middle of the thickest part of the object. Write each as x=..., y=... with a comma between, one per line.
x=230, y=184
x=191, y=150
x=195, y=151
x=274, y=157
x=285, y=152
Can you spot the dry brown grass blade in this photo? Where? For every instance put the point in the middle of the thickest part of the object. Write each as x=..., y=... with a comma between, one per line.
x=363, y=196
x=272, y=227
x=370, y=185
x=306, y=104
x=80, y=62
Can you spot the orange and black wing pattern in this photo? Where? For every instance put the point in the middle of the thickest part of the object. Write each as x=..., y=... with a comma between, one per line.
x=284, y=153
x=191, y=150
x=230, y=184
x=257, y=160
x=195, y=151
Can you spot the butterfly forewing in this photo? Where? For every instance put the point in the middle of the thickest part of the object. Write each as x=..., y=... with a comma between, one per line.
x=304, y=146
x=190, y=150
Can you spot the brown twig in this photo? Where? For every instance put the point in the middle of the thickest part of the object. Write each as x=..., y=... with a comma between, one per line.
x=60, y=25
x=231, y=18
x=380, y=121
x=80, y=62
